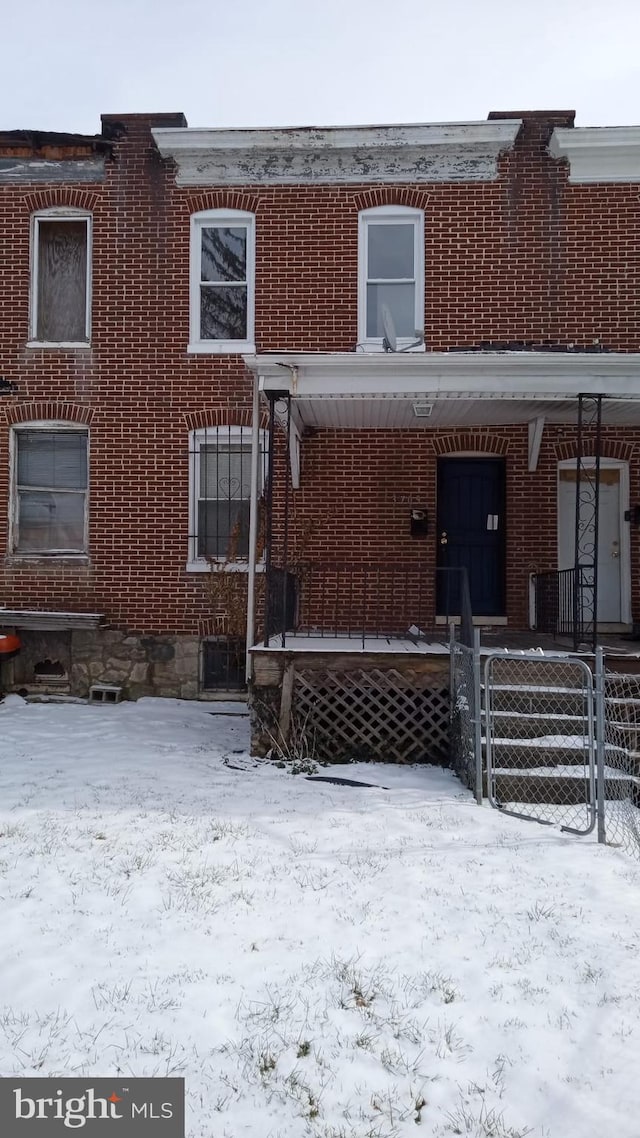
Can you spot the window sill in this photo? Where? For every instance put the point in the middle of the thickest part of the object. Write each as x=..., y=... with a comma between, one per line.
x=221, y=348
x=39, y=560
x=53, y=345
x=404, y=348
x=222, y=566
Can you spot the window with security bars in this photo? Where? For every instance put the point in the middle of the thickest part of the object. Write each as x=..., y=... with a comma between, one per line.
x=221, y=493
x=60, y=295
x=50, y=492
x=223, y=664
x=222, y=281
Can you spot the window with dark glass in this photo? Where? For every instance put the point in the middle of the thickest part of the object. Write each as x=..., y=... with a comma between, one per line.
x=223, y=283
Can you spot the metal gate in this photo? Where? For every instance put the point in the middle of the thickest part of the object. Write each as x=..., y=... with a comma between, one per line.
x=539, y=738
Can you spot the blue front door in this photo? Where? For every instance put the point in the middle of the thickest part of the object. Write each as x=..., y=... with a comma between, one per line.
x=471, y=533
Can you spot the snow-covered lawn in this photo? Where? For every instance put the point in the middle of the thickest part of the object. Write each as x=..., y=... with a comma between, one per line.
x=315, y=960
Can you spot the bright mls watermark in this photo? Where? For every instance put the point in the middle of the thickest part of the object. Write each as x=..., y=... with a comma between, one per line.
x=137, y=1108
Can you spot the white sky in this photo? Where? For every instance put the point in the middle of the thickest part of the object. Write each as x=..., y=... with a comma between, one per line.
x=288, y=62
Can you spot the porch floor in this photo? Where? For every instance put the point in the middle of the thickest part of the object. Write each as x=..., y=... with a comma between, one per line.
x=491, y=640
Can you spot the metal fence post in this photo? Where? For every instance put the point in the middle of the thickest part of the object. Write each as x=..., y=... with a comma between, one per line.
x=600, y=724
x=477, y=699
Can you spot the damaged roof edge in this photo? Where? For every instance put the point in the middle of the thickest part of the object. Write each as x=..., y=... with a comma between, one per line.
x=38, y=139
x=496, y=133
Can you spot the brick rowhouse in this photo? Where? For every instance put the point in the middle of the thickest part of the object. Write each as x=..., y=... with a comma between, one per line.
x=522, y=260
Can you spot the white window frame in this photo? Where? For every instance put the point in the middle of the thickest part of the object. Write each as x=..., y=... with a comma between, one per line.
x=58, y=214
x=203, y=436
x=52, y=425
x=211, y=219
x=390, y=215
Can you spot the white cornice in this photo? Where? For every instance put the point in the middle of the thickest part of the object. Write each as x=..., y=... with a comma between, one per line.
x=479, y=375
x=432, y=152
x=599, y=153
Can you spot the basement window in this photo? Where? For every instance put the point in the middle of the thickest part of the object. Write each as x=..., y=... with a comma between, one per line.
x=60, y=278
x=223, y=664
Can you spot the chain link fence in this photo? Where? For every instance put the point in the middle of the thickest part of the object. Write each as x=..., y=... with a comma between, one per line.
x=560, y=740
x=619, y=759
x=539, y=739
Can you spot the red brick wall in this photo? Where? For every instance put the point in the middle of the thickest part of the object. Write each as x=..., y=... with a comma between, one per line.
x=524, y=258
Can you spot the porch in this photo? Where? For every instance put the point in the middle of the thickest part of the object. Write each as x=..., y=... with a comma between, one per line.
x=469, y=467
x=382, y=698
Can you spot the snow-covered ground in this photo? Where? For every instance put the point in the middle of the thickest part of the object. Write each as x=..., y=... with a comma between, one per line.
x=315, y=960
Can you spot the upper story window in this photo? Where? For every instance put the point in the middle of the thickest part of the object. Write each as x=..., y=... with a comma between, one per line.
x=220, y=493
x=61, y=278
x=391, y=277
x=222, y=281
x=50, y=490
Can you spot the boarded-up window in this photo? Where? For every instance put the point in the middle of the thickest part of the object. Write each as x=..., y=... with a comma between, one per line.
x=51, y=491
x=61, y=294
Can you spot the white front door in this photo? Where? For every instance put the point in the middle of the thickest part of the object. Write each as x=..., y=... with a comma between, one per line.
x=610, y=551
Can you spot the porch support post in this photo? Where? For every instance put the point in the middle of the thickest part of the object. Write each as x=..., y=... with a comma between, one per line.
x=585, y=586
x=268, y=553
x=600, y=723
x=253, y=524
x=536, y=428
x=290, y=423
x=285, y=538
x=477, y=725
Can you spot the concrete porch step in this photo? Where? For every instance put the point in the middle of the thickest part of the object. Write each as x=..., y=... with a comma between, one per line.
x=531, y=700
x=549, y=752
x=561, y=789
x=532, y=725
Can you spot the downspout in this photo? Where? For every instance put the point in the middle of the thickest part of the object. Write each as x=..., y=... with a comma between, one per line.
x=253, y=525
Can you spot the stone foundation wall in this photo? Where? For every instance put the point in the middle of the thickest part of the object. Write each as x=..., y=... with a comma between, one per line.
x=141, y=665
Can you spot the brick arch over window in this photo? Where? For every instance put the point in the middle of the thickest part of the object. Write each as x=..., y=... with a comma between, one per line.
x=36, y=412
x=223, y=199
x=61, y=196
x=223, y=417
x=480, y=441
x=609, y=448
x=391, y=195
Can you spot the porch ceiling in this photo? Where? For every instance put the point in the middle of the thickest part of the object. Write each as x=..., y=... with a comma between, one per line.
x=397, y=413
x=354, y=390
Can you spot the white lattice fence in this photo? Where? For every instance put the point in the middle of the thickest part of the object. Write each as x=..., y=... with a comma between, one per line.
x=373, y=714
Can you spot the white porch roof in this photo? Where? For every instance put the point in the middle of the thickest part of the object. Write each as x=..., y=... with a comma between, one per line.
x=360, y=390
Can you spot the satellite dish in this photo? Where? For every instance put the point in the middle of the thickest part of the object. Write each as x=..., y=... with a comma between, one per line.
x=389, y=340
